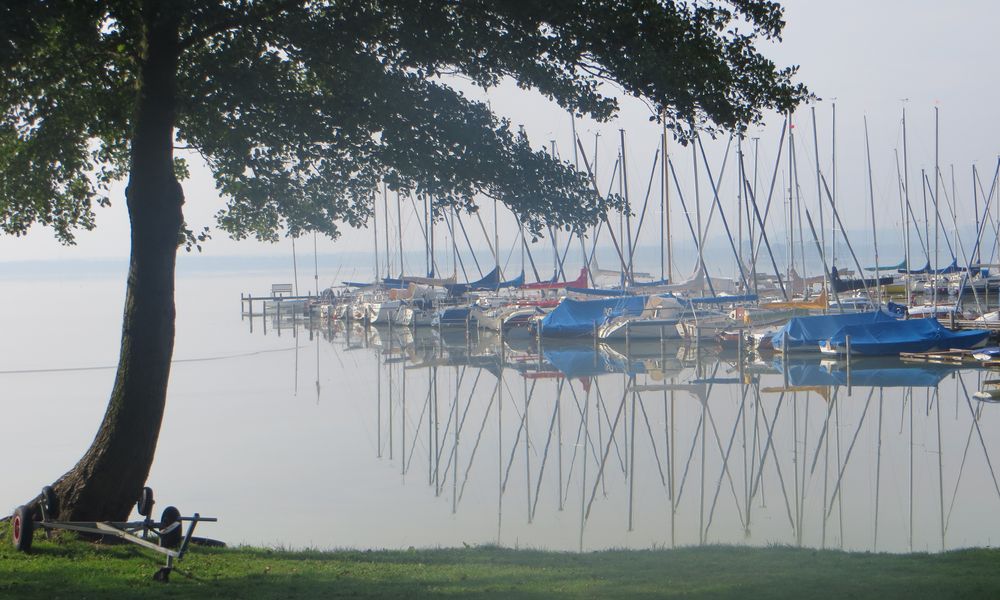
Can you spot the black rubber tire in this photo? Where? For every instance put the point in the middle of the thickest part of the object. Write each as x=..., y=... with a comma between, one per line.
x=172, y=538
x=144, y=506
x=50, y=501
x=22, y=528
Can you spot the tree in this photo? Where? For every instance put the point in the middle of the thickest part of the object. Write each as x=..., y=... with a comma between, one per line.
x=301, y=108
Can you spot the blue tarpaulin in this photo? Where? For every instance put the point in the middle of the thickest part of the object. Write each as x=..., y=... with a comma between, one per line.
x=804, y=334
x=605, y=292
x=491, y=281
x=915, y=335
x=577, y=318
x=926, y=269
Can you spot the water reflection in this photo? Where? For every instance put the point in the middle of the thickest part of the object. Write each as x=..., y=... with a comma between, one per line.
x=659, y=444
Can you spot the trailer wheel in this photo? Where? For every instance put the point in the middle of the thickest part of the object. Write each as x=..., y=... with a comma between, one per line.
x=145, y=504
x=22, y=529
x=49, y=501
x=170, y=527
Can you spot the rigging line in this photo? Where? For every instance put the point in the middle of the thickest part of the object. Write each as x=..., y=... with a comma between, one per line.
x=914, y=222
x=597, y=234
x=718, y=203
x=451, y=230
x=468, y=243
x=770, y=193
x=763, y=235
x=604, y=217
x=524, y=244
x=722, y=173
x=645, y=203
x=423, y=232
x=175, y=361
x=694, y=236
x=937, y=212
x=979, y=235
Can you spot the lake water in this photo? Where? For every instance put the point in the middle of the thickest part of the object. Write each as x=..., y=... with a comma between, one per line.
x=327, y=436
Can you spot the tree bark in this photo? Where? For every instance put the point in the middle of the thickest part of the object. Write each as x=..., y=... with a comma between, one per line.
x=106, y=482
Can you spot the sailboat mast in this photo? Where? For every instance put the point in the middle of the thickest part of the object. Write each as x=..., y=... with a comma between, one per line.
x=385, y=214
x=937, y=216
x=790, y=205
x=833, y=187
x=496, y=236
x=555, y=239
x=871, y=199
x=666, y=206
x=399, y=229
x=798, y=209
x=427, y=252
x=975, y=209
x=663, y=197
x=430, y=230
x=819, y=192
x=906, y=198
x=697, y=204
x=628, y=212
x=739, y=202
x=375, y=236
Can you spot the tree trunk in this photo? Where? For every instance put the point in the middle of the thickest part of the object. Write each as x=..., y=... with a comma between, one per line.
x=106, y=482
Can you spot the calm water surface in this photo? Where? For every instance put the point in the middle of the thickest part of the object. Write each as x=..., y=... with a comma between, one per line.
x=340, y=437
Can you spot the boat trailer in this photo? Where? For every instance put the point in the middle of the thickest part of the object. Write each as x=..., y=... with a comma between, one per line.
x=170, y=539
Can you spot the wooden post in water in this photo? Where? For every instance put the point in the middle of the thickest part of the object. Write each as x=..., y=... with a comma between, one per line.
x=595, y=344
x=784, y=358
x=277, y=317
x=847, y=346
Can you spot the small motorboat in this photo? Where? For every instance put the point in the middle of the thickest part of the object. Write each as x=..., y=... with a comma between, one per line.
x=985, y=354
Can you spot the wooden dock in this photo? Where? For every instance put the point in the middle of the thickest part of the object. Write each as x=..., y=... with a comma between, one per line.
x=950, y=357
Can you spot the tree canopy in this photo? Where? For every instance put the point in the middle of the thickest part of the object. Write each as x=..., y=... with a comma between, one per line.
x=301, y=108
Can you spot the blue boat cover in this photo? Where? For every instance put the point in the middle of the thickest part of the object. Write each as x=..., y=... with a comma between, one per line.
x=604, y=292
x=388, y=283
x=900, y=268
x=491, y=281
x=952, y=268
x=915, y=335
x=804, y=334
x=650, y=283
x=577, y=318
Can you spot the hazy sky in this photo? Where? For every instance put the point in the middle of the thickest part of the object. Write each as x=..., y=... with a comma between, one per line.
x=866, y=55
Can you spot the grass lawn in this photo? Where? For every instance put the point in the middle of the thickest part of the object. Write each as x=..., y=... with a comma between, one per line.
x=78, y=570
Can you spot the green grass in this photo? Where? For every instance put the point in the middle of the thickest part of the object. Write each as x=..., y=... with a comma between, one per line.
x=69, y=568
